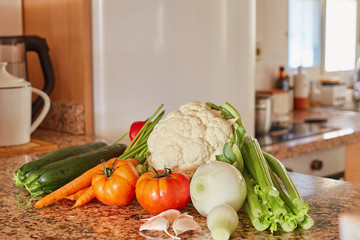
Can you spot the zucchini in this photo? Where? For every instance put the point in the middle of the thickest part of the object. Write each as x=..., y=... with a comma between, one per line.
x=54, y=175
x=25, y=170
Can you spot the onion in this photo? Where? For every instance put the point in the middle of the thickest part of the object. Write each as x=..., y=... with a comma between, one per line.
x=222, y=221
x=216, y=183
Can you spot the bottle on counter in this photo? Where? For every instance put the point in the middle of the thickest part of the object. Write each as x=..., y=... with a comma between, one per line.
x=301, y=89
x=283, y=81
x=315, y=94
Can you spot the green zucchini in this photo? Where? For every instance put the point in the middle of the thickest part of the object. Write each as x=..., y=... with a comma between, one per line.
x=25, y=170
x=54, y=175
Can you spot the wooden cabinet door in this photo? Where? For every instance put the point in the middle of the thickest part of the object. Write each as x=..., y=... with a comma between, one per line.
x=66, y=26
x=352, y=162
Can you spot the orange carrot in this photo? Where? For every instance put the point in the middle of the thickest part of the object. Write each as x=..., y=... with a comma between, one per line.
x=76, y=195
x=86, y=197
x=81, y=182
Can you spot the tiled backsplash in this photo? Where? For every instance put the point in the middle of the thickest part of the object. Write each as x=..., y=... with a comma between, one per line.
x=65, y=117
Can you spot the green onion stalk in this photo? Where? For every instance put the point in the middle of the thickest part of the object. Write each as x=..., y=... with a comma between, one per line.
x=267, y=203
x=138, y=147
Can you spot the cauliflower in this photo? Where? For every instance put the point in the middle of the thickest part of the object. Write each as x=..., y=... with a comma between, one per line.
x=187, y=138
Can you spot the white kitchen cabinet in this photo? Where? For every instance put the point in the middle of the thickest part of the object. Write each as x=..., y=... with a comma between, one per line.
x=11, y=18
x=322, y=163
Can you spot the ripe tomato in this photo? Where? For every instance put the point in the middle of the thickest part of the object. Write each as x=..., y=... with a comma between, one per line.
x=117, y=185
x=163, y=190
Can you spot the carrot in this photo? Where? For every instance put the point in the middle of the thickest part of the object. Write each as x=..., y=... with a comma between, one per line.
x=76, y=195
x=81, y=182
x=86, y=197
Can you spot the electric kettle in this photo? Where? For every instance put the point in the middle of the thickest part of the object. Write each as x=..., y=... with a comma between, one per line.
x=13, y=51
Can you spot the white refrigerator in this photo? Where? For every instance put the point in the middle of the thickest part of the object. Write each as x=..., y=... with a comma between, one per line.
x=152, y=52
x=11, y=21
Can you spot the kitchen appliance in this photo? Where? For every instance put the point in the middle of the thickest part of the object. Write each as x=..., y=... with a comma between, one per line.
x=262, y=114
x=15, y=108
x=281, y=104
x=13, y=50
x=146, y=53
x=333, y=92
x=282, y=133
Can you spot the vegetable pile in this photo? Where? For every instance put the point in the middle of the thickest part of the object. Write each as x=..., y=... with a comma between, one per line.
x=199, y=152
x=111, y=182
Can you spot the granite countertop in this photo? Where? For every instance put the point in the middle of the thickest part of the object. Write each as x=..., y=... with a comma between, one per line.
x=327, y=198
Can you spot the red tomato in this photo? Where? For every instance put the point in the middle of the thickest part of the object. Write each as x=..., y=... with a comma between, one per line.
x=157, y=192
x=118, y=188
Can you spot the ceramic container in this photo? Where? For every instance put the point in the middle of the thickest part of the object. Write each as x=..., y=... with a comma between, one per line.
x=15, y=109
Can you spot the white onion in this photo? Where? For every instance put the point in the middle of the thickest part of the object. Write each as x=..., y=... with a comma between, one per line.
x=222, y=221
x=216, y=183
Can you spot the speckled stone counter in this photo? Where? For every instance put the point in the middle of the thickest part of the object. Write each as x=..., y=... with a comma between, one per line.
x=327, y=198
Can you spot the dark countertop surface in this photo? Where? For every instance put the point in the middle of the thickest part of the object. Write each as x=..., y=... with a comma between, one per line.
x=327, y=198
x=347, y=131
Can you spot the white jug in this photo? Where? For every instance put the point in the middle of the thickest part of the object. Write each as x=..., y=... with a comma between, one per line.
x=15, y=109
x=301, y=89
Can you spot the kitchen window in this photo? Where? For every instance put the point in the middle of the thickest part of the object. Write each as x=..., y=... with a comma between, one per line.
x=322, y=34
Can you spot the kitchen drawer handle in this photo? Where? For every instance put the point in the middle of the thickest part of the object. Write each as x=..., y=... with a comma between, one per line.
x=316, y=165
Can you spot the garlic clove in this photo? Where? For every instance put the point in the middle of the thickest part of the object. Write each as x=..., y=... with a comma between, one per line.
x=185, y=223
x=157, y=223
x=171, y=215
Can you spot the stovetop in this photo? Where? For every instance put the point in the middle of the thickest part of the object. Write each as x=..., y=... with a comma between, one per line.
x=293, y=131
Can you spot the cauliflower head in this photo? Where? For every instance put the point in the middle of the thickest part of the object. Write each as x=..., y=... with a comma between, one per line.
x=188, y=137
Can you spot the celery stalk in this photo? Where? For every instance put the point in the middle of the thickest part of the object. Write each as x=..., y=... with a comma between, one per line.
x=278, y=168
x=294, y=201
x=231, y=152
x=252, y=198
x=258, y=223
x=307, y=223
x=283, y=195
x=263, y=177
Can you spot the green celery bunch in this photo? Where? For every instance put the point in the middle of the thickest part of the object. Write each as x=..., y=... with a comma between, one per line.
x=267, y=203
